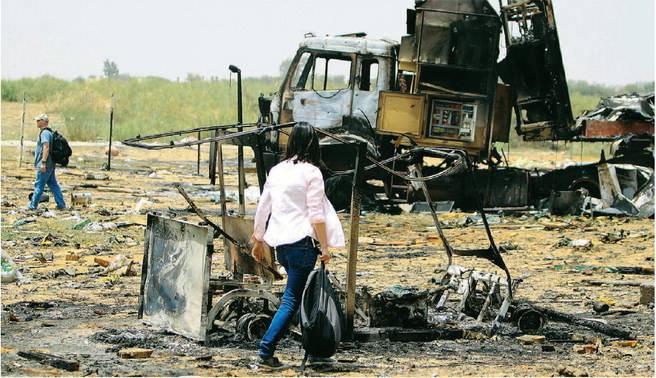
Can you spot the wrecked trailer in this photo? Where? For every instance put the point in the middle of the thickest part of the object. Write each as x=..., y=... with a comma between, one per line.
x=464, y=299
x=158, y=284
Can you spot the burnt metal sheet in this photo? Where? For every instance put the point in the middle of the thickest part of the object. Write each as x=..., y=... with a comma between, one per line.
x=618, y=116
x=238, y=260
x=616, y=129
x=505, y=187
x=534, y=67
x=626, y=107
x=621, y=192
x=501, y=117
x=177, y=274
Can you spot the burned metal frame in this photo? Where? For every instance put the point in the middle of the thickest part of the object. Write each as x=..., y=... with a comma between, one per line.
x=534, y=68
x=456, y=161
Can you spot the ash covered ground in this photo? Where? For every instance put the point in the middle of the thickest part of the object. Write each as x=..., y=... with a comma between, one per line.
x=71, y=309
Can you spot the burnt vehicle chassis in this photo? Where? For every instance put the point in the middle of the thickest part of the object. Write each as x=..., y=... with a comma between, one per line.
x=235, y=296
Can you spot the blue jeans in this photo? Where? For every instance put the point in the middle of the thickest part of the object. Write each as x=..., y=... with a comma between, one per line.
x=39, y=185
x=298, y=259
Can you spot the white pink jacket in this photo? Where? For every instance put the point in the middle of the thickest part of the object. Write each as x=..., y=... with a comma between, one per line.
x=294, y=197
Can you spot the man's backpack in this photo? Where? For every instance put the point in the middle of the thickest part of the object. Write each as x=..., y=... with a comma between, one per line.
x=322, y=320
x=59, y=150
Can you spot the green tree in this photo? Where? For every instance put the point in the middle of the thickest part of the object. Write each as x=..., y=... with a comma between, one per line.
x=110, y=69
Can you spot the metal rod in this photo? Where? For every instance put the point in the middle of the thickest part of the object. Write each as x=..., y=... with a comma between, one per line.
x=240, y=149
x=212, y=161
x=22, y=133
x=458, y=12
x=198, y=157
x=136, y=141
x=259, y=162
x=204, y=217
x=447, y=247
x=351, y=269
x=111, y=131
x=486, y=304
x=222, y=193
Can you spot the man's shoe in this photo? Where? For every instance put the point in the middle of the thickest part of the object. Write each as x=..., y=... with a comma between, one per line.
x=271, y=363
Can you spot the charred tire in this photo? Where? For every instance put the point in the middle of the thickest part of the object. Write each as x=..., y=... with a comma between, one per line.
x=257, y=327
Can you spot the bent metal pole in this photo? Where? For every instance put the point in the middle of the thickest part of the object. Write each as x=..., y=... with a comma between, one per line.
x=240, y=147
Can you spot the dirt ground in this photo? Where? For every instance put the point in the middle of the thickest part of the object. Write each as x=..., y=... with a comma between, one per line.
x=71, y=309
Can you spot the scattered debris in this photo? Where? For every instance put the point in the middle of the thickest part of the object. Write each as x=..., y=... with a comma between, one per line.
x=567, y=371
x=72, y=256
x=397, y=306
x=594, y=325
x=81, y=198
x=9, y=271
x=48, y=214
x=102, y=261
x=581, y=243
x=625, y=190
x=624, y=343
x=98, y=226
x=43, y=258
x=548, y=348
x=81, y=224
x=24, y=221
x=140, y=205
x=647, y=293
x=600, y=307
x=97, y=176
x=51, y=359
x=613, y=237
x=68, y=271
x=626, y=107
x=439, y=206
x=135, y=353
x=531, y=339
x=586, y=349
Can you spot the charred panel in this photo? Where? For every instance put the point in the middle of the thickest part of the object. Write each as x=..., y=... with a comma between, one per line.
x=534, y=68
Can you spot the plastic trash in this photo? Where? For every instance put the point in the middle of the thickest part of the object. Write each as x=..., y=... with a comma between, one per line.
x=23, y=221
x=9, y=271
x=96, y=226
x=81, y=199
x=82, y=224
x=140, y=205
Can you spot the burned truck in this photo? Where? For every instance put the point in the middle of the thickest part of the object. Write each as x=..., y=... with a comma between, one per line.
x=443, y=85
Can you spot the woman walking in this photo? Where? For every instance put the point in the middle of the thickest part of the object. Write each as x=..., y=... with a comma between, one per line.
x=302, y=225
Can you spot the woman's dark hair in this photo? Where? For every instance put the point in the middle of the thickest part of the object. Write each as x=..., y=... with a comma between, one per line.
x=303, y=145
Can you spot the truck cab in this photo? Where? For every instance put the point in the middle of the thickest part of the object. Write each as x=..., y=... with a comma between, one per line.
x=334, y=83
x=437, y=88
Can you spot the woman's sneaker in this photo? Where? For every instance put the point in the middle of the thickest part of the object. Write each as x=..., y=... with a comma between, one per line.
x=271, y=363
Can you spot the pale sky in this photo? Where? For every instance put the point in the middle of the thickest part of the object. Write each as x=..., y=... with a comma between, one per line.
x=603, y=41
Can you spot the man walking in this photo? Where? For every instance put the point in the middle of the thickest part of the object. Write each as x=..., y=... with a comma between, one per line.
x=45, y=166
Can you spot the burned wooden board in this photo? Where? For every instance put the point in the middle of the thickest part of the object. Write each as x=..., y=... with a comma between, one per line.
x=177, y=274
x=240, y=262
